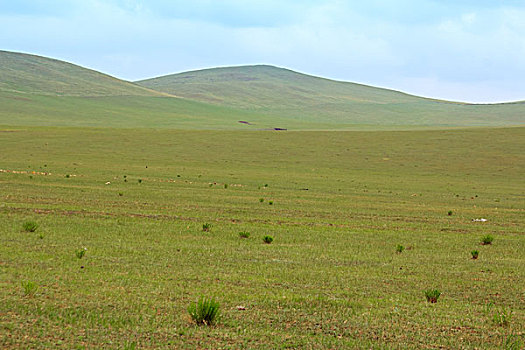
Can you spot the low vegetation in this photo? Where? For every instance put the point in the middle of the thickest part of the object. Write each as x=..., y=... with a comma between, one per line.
x=244, y=234
x=331, y=279
x=205, y=311
x=268, y=239
x=30, y=226
x=487, y=239
x=432, y=295
x=29, y=288
x=79, y=253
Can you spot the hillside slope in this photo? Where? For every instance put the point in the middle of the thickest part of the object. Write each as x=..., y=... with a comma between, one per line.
x=42, y=91
x=295, y=96
x=45, y=76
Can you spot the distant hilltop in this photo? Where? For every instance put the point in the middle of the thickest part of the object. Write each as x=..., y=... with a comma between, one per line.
x=43, y=91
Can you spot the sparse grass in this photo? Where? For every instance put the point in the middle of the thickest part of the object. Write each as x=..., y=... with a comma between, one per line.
x=205, y=311
x=487, y=239
x=432, y=295
x=30, y=226
x=332, y=280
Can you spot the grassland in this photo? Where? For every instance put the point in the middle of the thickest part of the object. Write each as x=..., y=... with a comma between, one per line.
x=342, y=202
x=39, y=91
x=296, y=97
x=30, y=74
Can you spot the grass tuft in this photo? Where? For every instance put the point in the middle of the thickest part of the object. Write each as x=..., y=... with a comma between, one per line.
x=81, y=252
x=205, y=311
x=268, y=239
x=487, y=239
x=29, y=287
x=432, y=295
x=30, y=226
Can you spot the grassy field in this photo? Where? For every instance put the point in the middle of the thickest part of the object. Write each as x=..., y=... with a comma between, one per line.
x=39, y=91
x=296, y=97
x=341, y=204
x=30, y=74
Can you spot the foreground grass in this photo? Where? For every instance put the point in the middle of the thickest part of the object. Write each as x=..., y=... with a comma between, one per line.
x=342, y=202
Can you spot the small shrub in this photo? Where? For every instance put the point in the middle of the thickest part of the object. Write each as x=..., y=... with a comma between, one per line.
x=120, y=194
x=475, y=254
x=487, y=239
x=244, y=234
x=450, y=213
x=30, y=226
x=206, y=227
x=225, y=185
x=268, y=239
x=265, y=185
x=29, y=287
x=205, y=311
x=261, y=200
x=400, y=248
x=432, y=295
x=41, y=236
x=81, y=252
x=140, y=181
x=68, y=176
x=270, y=202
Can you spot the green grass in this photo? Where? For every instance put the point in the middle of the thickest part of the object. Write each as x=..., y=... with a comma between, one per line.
x=330, y=279
x=30, y=74
x=38, y=91
x=296, y=97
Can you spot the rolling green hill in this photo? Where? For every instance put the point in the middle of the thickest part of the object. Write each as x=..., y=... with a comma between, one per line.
x=25, y=73
x=36, y=90
x=295, y=96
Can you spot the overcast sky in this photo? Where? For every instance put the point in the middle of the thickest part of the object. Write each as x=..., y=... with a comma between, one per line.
x=463, y=50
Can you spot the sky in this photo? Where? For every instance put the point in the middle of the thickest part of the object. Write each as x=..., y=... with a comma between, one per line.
x=461, y=50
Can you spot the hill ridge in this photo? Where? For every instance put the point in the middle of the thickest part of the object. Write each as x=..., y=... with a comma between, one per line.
x=36, y=90
x=34, y=74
